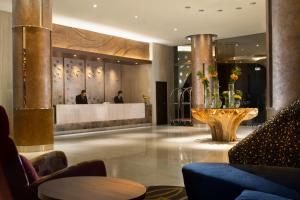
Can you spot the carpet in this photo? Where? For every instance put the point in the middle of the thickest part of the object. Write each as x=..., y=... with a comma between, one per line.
x=165, y=193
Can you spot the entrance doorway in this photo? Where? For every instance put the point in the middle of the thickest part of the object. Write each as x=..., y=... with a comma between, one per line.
x=161, y=103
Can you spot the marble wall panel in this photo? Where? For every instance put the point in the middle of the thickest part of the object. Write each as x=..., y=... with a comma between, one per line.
x=74, y=71
x=136, y=82
x=57, y=80
x=95, y=82
x=113, y=81
x=6, y=65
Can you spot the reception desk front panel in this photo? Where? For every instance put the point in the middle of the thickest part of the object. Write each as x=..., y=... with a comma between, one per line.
x=70, y=114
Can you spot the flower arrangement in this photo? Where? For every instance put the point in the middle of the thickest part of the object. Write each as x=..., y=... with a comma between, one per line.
x=225, y=94
x=235, y=73
x=238, y=95
x=213, y=73
x=203, y=78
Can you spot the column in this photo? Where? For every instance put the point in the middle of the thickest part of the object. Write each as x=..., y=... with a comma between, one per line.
x=284, y=51
x=33, y=113
x=202, y=58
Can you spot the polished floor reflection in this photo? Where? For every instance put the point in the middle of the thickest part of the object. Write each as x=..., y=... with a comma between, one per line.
x=152, y=156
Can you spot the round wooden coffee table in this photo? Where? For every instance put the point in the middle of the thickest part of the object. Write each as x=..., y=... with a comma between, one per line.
x=91, y=187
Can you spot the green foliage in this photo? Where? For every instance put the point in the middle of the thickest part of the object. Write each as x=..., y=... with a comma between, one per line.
x=237, y=71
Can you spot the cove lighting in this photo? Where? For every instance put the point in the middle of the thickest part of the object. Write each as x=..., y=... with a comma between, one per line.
x=104, y=29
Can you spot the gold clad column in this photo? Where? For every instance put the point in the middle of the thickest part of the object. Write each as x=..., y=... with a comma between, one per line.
x=202, y=58
x=33, y=113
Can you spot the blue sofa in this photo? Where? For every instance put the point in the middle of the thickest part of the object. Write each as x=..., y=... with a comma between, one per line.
x=265, y=165
x=209, y=181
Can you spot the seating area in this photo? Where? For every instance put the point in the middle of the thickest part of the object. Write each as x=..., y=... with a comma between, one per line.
x=264, y=165
x=149, y=100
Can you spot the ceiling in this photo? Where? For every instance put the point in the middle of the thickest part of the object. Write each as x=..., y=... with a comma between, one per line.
x=160, y=21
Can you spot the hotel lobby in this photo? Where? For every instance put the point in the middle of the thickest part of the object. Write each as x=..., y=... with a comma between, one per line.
x=153, y=100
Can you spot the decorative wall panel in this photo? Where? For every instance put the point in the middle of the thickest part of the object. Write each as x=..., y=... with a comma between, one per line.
x=57, y=80
x=112, y=81
x=83, y=40
x=95, y=82
x=74, y=79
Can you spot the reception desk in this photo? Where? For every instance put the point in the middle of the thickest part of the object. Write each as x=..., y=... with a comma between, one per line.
x=90, y=116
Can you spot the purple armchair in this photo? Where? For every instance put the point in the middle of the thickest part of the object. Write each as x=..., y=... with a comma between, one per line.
x=23, y=176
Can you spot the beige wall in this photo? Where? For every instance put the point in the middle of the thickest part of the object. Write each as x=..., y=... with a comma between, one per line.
x=136, y=82
x=112, y=80
x=6, y=69
x=162, y=70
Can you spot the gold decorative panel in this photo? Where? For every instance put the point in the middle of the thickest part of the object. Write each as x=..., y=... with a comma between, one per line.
x=83, y=40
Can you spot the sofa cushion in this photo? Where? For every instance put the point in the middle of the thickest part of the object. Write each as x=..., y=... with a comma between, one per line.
x=255, y=195
x=223, y=181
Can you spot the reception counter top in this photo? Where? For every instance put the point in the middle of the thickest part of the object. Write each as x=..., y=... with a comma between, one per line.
x=88, y=116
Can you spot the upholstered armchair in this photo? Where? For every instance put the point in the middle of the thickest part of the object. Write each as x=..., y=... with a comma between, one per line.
x=265, y=165
x=23, y=176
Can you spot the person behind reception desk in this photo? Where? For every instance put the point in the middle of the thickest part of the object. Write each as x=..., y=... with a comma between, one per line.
x=119, y=98
x=81, y=99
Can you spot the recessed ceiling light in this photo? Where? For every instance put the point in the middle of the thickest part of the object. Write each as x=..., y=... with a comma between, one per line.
x=135, y=17
x=189, y=38
x=74, y=55
x=175, y=29
x=257, y=45
x=252, y=3
x=98, y=58
x=136, y=63
x=118, y=61
x=220, y=10
x=239, y=8
x=187, y=7
x=236, y=44
x=201, y=10
x=95, y=5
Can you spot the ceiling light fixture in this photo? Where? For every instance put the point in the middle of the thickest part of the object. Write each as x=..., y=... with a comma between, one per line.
x=95, y=5
x=257, y=45
x=74, y=55
x=175, y=29
x=136, y=63
x=236, y=44
x=189, y=38
x=118, y=61
x=136, y=17
x=98, y=58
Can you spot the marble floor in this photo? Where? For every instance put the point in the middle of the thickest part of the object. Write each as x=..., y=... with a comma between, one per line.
x=152, y=155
